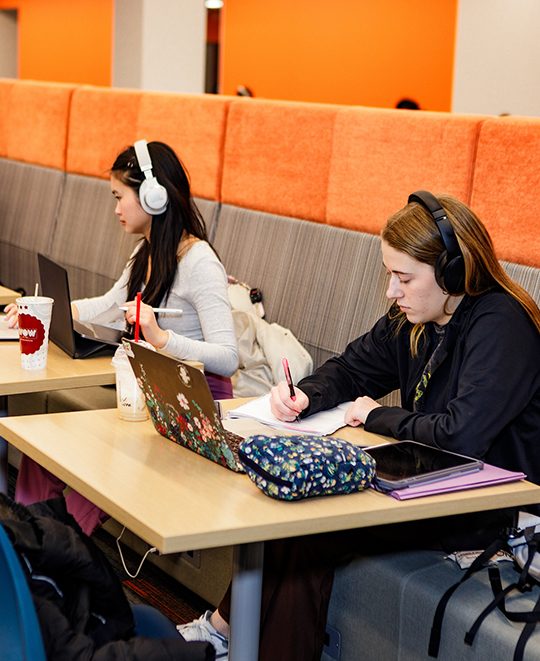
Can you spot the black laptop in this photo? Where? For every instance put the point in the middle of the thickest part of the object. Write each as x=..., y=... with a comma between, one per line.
x=78, y=339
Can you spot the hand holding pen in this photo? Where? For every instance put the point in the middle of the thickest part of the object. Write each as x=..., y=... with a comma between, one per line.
x=148, y=325
x=283, y=411
x=282, y=406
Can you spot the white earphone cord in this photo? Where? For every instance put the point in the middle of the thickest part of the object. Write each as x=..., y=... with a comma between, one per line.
x=152, y=550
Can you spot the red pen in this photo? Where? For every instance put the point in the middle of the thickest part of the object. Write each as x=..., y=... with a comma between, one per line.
x=137, y=316
x=287, y=371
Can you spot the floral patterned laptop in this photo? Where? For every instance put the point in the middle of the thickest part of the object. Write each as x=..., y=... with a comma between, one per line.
x=181, y=405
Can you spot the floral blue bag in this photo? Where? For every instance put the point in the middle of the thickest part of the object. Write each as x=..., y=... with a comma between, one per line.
x=294, y=467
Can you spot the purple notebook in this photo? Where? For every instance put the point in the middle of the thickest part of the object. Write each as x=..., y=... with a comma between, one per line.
x=488, y=476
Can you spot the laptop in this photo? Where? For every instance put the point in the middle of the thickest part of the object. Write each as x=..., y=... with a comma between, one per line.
x=182, y=408
x=78, y=339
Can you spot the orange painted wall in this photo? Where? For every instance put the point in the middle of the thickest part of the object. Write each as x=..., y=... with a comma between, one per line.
x=362, y=52
x=68, y=41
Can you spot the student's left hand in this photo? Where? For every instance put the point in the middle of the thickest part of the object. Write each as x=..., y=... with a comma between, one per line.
x=12, y=316
x=358, y=412
x=148, y=324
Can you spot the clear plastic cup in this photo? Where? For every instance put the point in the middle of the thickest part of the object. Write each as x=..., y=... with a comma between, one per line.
x=34, y=320
x=129, y=397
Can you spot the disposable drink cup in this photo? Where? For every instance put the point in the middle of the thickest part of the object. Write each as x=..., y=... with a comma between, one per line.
x=34, y=321
x=129, y=397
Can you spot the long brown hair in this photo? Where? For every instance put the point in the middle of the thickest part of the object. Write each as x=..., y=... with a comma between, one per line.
x=413, y=231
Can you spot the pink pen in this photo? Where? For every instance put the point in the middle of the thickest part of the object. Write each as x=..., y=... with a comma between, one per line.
x=287, y=371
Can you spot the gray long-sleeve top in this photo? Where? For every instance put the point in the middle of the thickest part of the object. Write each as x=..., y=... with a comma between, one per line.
x=205, y=329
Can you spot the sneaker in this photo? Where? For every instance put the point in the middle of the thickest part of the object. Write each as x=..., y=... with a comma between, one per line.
x=201, y=630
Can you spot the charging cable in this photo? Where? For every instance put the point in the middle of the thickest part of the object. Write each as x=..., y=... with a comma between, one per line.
x=152, y=550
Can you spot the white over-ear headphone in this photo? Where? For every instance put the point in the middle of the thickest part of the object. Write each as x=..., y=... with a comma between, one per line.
x=152, y=195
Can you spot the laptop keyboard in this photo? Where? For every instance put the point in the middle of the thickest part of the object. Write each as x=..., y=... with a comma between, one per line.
x=234, y=441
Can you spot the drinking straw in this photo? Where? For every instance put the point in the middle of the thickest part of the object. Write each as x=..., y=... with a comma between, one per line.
x=138, y=314
x=36, y=289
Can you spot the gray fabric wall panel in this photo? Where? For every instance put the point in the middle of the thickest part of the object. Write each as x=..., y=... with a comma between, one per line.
x=209, y=211
x=324, y=283
x=18, y=268
x=84, y=284
x=257, y=248
x=526, y=276
x=337, y=275
x=88, y=234
x=29, y=200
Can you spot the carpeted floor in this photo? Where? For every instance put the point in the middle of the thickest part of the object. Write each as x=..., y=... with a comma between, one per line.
x=152, y=585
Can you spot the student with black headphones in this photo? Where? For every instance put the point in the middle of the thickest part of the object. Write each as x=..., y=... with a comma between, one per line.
x=461, y=340
x=462, y=343
x=173, y=266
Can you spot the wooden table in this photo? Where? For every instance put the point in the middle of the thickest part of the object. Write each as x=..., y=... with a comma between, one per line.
x=137, y=476
x=62, y=371
x=177, y=500
x=7, y=295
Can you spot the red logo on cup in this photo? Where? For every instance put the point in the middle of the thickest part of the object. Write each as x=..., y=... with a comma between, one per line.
x=31, y=333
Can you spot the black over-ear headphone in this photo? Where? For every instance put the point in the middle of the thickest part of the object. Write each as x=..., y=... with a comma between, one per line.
x=152, y=195
x=450, y=266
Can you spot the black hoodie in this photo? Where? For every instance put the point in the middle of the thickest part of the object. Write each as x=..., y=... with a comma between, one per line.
x=81, y=607
x=483, y=398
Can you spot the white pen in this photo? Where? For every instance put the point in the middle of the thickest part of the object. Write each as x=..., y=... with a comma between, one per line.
x=172, y=310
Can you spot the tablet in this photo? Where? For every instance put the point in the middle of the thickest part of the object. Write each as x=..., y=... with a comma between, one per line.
x=408, y=463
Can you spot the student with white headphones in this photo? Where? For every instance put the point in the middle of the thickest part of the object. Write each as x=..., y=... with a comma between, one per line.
x=174, y=267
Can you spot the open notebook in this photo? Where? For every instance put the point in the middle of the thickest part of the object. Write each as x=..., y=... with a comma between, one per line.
x=322, y=423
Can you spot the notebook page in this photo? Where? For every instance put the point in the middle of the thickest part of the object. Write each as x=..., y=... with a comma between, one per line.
x=322, y=423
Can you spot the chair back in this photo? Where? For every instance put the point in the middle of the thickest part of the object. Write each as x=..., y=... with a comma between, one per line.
x=19, y=627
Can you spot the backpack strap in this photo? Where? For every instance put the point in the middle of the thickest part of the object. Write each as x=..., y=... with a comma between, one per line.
x=527, y=632
x=479, y=563
x=500, y=595
x=531, y=618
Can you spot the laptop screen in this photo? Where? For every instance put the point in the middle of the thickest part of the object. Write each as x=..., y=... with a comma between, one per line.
x=54, y=283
